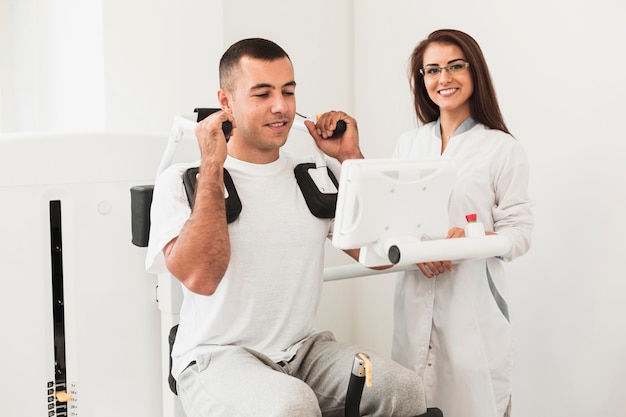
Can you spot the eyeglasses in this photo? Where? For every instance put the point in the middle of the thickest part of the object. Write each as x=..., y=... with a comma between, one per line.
x=433, y=71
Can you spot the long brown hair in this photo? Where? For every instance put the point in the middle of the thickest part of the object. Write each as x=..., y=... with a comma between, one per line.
x=483, y=102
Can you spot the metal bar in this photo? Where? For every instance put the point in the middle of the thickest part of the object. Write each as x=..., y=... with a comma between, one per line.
x=335, y=273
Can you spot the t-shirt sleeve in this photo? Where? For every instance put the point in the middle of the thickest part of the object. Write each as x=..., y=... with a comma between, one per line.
x=168, y=214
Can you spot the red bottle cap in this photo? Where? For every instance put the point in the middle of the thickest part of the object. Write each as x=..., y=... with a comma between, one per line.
x=471, y=217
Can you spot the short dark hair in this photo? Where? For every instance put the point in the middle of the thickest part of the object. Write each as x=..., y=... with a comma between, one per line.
x=483, y=102
x=256, y=48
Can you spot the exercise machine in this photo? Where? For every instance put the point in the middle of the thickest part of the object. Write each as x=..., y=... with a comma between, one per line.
x=78, y=310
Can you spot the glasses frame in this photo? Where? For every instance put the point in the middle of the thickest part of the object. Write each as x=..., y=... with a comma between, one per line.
x=464, y=65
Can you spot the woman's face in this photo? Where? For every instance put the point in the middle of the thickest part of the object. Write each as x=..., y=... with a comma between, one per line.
x=451, y=88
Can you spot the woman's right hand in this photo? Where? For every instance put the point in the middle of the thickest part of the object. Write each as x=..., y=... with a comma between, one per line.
x=432, y=269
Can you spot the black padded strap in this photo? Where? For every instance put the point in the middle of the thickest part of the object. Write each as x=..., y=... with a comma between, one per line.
x=322, y=205
x=170, y=379
x=232, y=201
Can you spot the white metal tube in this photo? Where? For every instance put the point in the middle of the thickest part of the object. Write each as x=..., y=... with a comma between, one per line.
x=186, y=122
x=335, y=273
x=453, y=249
x=182, y=123
x=427, y=251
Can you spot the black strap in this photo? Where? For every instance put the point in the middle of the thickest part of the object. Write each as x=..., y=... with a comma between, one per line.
x=232, y=201
x=322, y=205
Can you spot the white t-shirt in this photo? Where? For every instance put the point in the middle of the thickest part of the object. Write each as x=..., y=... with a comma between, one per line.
x=268, y=297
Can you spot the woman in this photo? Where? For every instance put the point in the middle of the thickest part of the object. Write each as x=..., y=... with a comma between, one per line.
x=452, y=321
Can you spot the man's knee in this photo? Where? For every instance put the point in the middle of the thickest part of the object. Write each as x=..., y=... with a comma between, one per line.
x=297, y=399
x=395, y=391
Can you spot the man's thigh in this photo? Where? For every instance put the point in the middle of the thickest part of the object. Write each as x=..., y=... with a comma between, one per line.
x=233, y=382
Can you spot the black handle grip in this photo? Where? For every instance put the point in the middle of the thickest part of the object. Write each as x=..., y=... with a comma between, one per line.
x=227, y=127
x=339, y=129
x=203, y=113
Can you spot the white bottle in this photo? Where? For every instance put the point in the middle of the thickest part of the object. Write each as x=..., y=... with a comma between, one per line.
x=473, y=228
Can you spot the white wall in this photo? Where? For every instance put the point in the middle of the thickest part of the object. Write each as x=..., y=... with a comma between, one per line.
x=52, y=74
x=557, y=70
x=159, y=60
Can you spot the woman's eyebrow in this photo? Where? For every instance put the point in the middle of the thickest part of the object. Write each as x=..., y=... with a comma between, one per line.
x=449, y=62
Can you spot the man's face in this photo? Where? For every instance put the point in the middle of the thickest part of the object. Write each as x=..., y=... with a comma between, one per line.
x=263, y=103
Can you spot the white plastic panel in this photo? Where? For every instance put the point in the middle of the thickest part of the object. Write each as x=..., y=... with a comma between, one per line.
x=382, y=198
x=27, y=359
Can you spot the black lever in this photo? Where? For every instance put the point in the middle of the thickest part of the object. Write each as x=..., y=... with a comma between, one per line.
x=355, y=385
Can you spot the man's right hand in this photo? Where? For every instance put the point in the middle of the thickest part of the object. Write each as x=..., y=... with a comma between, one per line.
x=211, y=138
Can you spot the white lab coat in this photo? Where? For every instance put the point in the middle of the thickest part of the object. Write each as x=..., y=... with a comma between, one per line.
x=455, y=330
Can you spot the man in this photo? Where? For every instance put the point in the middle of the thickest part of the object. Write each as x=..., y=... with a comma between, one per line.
x=246, y=344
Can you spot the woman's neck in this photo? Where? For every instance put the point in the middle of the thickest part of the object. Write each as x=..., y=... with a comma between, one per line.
x=449, y=123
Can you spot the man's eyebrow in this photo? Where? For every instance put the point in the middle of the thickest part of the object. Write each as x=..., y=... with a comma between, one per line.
x=261, y=85
x=267, y=85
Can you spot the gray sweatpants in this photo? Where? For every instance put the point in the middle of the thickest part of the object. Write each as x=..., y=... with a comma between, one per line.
x=244, y=383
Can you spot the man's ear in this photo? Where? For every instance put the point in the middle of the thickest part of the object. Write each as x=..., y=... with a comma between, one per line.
x=223, y=97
